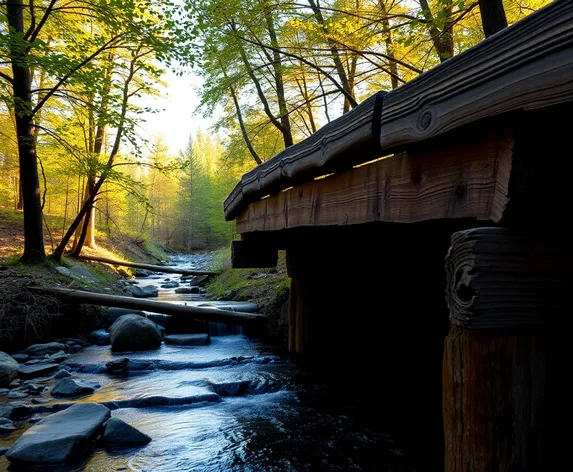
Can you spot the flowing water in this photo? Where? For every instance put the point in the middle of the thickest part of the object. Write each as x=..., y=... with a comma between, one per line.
x=232, y=405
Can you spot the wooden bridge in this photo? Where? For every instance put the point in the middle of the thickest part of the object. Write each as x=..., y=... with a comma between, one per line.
x=428, y=242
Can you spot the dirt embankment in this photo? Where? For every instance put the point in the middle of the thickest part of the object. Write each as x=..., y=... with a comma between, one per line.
x=268, y=288
x=27, y=316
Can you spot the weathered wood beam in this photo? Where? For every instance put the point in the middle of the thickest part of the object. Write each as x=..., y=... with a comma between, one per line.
x=154, y=268
x=253, y=255
x=507, y=292
x=461, y=175
x=526, y=66
x=498, y=278
x=199, y=313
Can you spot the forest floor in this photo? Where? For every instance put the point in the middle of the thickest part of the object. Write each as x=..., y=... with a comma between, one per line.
x=27, y=316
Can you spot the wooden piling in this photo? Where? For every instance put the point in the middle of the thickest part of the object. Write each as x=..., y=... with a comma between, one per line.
x=507, y=292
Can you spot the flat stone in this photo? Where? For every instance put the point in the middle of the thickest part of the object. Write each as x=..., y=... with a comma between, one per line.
x=38, y=370
x=187, y=339
x=4, y=391
x=40, y=401
x=15, y=383
x=17, y=395
x=8, y=369
x=6, y=428
x=39, y=350
x=119, y=433
x=147, y=291
x=118, y=366
x=20, y=357
x=57, y=437
x=170, y=285
x=34, y=361
x=62, y=374
x=73, y=388
x=34, y=389
x=60, y=356
x=17, y=409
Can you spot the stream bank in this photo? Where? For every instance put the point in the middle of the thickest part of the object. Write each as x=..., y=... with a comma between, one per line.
x=233, y=404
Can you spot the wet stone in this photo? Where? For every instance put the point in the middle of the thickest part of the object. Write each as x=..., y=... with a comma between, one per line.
x=20, y=357
x=43, y=349
x=17, y=395
x=62, y=374
x=73, y=388
x=119, y=433
x=38, y=370
x=187, y=339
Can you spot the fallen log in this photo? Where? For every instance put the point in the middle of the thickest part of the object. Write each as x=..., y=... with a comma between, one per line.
x=155, y=268
x=165, y=308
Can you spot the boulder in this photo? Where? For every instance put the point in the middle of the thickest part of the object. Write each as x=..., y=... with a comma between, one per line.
x=40, y=350
x=119, y=433
x=187, y=339
x=59, y=436
x=8, y=369
x=170, y=285
x=114, y=313
x=99, y=337
x=142, y=273
x=37, y=370
x=147, y=291
x=73, y=388
x=62, y=374
x=199, y=280
x=134, y=333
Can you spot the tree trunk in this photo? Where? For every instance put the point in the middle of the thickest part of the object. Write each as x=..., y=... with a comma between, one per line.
x=389, y=45
x=335, y=56
x=243, y=128
x=443, y=39
x=278, y=73
x=492, y=16
x=29, y=180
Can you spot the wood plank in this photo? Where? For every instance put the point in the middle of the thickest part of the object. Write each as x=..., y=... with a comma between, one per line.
x=139, y=265
x=166, y=308
x=498, y=278
x=350, y=139
x=461, y=175
x=526, y=66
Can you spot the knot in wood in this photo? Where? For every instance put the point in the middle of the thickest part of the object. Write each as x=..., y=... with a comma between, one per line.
x=426, y=119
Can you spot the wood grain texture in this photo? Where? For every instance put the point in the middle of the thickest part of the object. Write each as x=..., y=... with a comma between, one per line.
x=499, y=278
x=495, y=402
x=348, y=140
x=526, y=66
x=462, y=175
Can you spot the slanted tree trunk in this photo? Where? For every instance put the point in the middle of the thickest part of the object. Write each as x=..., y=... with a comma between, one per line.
x=278, y=73
x=30, y=183
x=335, y=54
x=443, y=39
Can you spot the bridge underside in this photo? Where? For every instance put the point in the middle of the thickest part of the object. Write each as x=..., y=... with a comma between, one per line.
x=375, y=291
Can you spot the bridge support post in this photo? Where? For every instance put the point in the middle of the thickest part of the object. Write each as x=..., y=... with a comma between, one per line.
x=507, y=292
